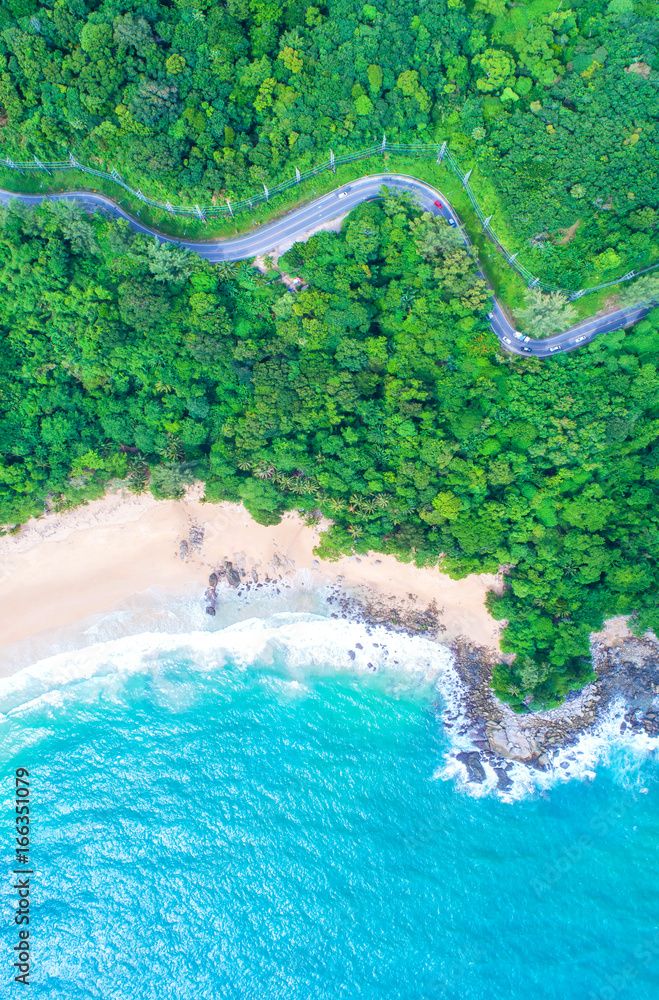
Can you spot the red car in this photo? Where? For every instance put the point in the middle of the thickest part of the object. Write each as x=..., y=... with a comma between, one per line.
x=438, y=204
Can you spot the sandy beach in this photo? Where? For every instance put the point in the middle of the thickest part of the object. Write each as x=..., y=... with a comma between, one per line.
x=63, y=568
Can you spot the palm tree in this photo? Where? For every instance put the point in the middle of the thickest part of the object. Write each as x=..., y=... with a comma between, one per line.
x=226, y=270
x=265, y=471
x=173, y=450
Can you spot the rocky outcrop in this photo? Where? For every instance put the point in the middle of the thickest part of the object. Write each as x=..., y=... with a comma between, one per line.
x=232, y=575
x=510, y=740
x=627, y=668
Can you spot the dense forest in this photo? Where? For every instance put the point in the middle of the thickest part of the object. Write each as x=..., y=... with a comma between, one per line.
x=556, y=105
x=376, y=395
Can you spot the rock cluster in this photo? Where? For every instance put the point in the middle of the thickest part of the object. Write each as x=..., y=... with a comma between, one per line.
x=243, y=580
x=193, y=543
x=228, y=573
x=372, y=609
x=628, y=670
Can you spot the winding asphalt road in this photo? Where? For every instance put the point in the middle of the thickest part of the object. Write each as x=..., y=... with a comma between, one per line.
x=329, y=206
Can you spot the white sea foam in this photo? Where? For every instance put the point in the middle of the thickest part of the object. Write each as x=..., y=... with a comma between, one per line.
x=247, y=632
x=303, y=643
x=158, y=610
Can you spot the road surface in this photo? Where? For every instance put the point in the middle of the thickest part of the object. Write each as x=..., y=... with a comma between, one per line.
x=327, y=207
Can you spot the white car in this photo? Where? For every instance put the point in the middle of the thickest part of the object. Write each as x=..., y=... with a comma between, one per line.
x=527, y=349
x=556, y=348
x=343, y=194
x=507, y=341
x=579, y=339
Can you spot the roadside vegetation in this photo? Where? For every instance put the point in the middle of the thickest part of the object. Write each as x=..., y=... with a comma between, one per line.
x=555, y=107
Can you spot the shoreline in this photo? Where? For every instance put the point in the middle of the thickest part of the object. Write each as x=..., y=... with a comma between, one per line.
x=63, y=569
x=126, y=564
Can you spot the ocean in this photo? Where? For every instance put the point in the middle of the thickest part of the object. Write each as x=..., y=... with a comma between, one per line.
x=243, y=809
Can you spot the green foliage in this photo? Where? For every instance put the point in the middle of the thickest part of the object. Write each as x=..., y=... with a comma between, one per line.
x=544, y=314
x=498, y=68
x=168, y=481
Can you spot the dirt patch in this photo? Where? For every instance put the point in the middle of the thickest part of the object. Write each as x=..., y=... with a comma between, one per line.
x=569, y=234
x=639, y=68
x=291, y=282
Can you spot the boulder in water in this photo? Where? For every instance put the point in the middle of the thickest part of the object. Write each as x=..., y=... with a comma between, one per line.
x=472, y=761
x=503, y=781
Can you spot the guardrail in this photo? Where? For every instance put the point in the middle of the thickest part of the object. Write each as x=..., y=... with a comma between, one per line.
x=439, y=151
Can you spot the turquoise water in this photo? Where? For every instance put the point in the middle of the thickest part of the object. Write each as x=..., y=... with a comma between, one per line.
x=239, y=819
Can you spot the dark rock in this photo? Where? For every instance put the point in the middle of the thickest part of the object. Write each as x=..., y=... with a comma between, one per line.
x=210, y=610
x=503, y=781
x=359, y=645
x=212, y=579
x=196, y=536
x=351, y=654
x=472, y=761
x=233, y=577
